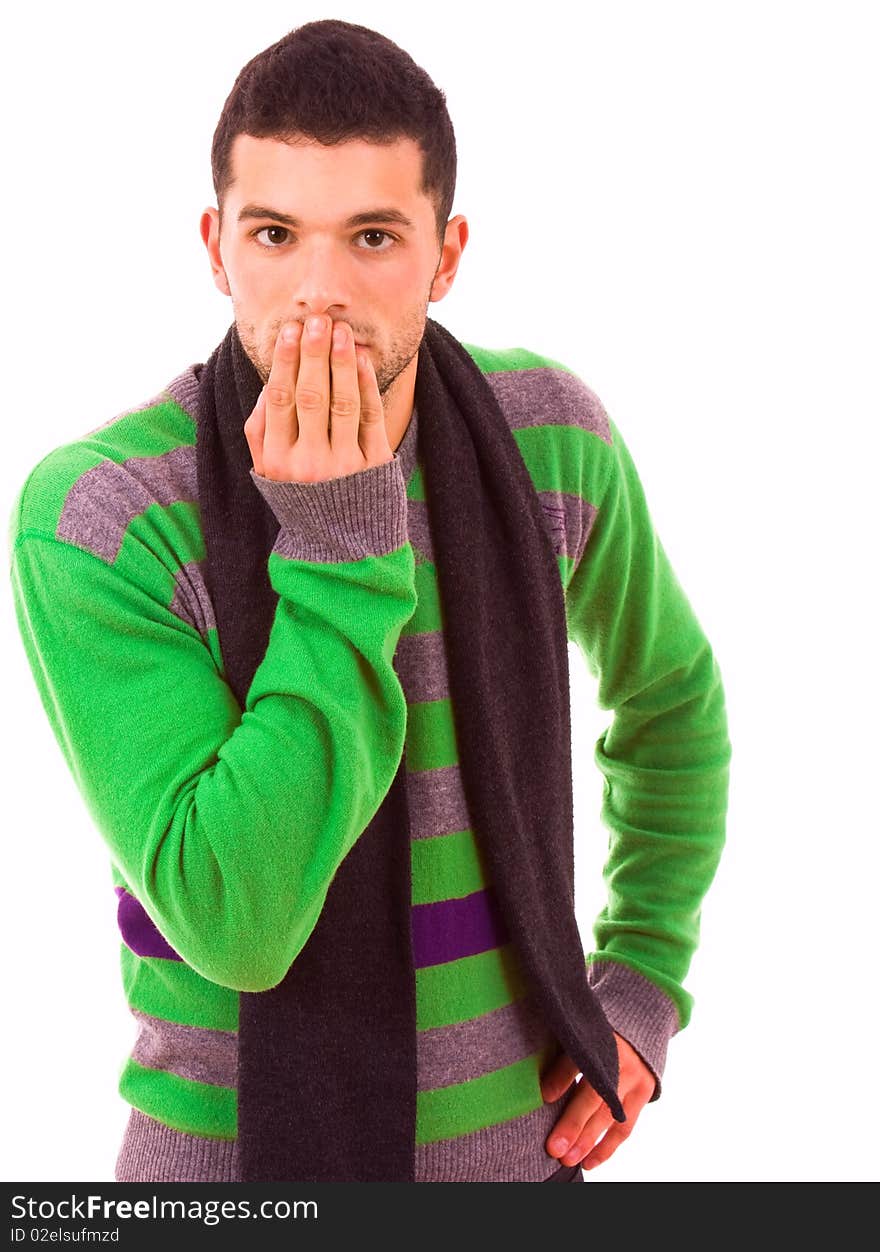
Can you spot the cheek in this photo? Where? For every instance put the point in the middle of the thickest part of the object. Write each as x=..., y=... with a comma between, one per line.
x=247, y=289
x=393, y=299
x=252, y=285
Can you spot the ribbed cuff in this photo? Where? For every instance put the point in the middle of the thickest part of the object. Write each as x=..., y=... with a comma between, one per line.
x=339, y=519
x=637, y=1010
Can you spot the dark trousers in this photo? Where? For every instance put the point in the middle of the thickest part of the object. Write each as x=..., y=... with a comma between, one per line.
x=567, y=1173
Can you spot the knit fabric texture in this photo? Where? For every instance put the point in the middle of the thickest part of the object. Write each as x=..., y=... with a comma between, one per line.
x=107, y=557
x=348, y=995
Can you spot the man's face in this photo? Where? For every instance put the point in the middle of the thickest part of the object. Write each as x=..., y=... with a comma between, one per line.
x=306, y=229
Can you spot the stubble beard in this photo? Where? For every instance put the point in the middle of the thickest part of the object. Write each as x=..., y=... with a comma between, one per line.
x=404, y=346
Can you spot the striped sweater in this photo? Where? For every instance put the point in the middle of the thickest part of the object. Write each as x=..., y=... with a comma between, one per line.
x=225, y=826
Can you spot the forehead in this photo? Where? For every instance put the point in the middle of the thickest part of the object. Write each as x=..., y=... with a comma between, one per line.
x=272, y=170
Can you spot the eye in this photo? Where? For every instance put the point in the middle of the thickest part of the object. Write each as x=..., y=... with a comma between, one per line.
x=384, y=233
x=383, y=237
x=259, y=232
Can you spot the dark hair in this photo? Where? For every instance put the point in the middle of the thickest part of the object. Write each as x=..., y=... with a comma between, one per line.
x=332, y=81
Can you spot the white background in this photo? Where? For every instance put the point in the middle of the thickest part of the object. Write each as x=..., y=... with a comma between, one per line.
x=679, y=201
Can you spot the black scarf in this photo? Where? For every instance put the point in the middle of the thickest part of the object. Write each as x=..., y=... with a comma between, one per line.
x=327, y=1058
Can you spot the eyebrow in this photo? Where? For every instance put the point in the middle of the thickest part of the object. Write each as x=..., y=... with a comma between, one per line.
x=389, y=216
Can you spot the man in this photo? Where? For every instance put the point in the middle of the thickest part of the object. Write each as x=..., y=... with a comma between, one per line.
x=242, y=606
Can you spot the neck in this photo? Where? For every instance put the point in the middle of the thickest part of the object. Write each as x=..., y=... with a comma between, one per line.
x=398, y=403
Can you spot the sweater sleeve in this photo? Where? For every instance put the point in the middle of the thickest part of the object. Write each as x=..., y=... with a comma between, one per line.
x=664, y=757
x=228, y=824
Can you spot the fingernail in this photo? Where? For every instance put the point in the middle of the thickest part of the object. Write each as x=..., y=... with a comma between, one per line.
x=288, y=334
x=315, y=325
x=558, y=1145
x=339, y=337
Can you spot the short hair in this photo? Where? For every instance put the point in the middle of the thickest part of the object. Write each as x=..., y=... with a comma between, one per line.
x=332, y=81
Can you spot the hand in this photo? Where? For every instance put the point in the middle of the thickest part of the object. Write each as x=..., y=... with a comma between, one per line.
x=592, y=1133
x=320, y=414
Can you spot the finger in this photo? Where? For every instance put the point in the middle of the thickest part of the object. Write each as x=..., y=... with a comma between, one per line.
x=312, y=393
x=345, y=400
x=372, y=431
x=580, y=1109
x=255, y=429
x=591, y=1132
x=607, y=1145
x=558, y=1078
x=281, y=422
x=633, y=1103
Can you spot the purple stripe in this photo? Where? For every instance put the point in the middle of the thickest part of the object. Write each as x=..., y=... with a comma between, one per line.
x=137, y=929
x=451, y=929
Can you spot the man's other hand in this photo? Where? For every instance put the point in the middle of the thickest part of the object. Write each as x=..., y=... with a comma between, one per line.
x=590, y=1132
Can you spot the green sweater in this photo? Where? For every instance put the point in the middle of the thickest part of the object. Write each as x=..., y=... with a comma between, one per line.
x=225, y=826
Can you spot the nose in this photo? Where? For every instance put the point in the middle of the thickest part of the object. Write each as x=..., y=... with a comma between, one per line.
x=320, y=281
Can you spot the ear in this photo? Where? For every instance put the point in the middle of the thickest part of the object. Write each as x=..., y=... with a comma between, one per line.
x=454, y=241
x=209, y=227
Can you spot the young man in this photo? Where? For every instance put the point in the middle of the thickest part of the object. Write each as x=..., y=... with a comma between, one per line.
x=299, y=624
